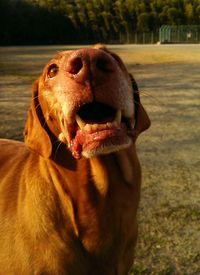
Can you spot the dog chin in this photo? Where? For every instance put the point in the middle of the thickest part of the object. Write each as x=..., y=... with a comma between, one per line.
x=106, y=149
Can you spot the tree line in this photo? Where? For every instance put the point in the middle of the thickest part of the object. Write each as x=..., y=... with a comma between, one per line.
x=85, y=21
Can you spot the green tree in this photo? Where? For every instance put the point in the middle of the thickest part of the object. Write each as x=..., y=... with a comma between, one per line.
x=189, y=12
x=143, y=22
x=198, y=14
x=173, y=16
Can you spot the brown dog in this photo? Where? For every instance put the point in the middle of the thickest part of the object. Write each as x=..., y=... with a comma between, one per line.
x=69, y=195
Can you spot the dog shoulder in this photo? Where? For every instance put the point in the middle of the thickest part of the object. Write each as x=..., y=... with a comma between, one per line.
x=10, y=149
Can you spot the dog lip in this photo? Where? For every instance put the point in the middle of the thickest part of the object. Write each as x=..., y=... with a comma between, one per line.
x=89, y=136
x=77, y=123
x=92, y=137
x=84, y=131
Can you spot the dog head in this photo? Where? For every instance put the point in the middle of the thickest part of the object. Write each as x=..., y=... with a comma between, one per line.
x=87, y=100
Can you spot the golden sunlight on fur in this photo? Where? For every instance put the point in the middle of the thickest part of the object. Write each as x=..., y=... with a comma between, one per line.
x=69, y=194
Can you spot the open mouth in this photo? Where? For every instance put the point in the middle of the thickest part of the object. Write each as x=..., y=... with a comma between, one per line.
x=99, y=127
x=98, y=115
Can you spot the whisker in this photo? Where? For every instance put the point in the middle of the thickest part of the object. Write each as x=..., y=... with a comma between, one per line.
x=37, y=106
x=34, y=97
x=58, y=148
x=56, y=141
x=48, y=116
x=144, y=93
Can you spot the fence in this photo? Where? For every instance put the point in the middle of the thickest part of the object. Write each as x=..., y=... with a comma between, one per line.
x=165, y=35
x=179, y=34
x=136, y=38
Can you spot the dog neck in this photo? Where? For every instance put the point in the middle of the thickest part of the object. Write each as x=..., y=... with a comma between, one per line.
x=118, y=166
x=89, y=187
x=97, y=176
x=100, y=169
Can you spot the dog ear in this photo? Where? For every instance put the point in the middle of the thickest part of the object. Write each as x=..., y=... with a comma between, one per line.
x=35, y=134
x=142, y=121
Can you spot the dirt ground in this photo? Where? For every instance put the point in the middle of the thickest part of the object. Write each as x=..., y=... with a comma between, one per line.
x=168, y=77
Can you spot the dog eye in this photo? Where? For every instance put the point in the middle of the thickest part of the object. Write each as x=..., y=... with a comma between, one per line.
x=52, y=71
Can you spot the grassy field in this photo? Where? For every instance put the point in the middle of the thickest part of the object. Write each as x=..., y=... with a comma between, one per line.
x=168, y=77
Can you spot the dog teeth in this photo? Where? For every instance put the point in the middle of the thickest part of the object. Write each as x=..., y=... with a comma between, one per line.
x=132, y=125
x=94, y=127
x=80, y=122
x=61, y=137
x=118, y=117
x=88, y=128
x=109, y=125
x=97, y=127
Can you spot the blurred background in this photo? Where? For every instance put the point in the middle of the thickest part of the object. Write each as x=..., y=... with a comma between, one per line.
x=159, y=42
x=110, y=21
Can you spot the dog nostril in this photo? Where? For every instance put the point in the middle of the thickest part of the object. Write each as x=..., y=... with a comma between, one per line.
x=75, y=66
x=104, y=65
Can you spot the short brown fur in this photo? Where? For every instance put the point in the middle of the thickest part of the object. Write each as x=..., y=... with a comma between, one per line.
x=61, y=215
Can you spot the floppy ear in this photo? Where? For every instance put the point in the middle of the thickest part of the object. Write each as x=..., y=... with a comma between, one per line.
x=36, y=133
x=142, y=121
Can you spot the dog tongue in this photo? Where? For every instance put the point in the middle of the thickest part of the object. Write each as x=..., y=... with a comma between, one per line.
x=84, y=138
x=90, y=140
x=77, y=144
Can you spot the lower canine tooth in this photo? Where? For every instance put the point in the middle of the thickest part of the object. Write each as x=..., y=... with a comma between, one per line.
x=118, y=117
x=61, y=137
x=80, y=122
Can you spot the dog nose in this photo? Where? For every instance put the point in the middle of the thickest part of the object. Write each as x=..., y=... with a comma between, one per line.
x=75, y=65
x=87, y=63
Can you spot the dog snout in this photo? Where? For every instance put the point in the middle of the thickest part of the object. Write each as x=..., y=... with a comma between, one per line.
x=75, y=65
x=90, y=64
